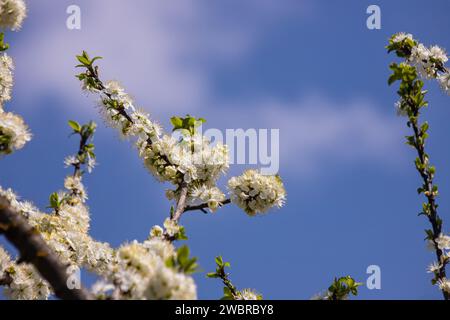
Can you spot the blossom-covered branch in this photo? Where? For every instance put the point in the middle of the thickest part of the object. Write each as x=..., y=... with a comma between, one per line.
x=34, y=250
x=427, y=63
x=14, y=132
x=188, y=161
x=64, y=230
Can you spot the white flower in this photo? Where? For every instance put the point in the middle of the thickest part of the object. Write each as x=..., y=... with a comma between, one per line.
x=172, y=227
x=5, y=261
x=14, y=132
x=71, y=161
x=212, y=196
x=437, y=53
x=6, y=78
x=190, y=158
x=256, y=193
x=420, y=57
x=170, y=285
x=101, y=289
x=160, y=248
x=434, y=267
x=444, y=82
x=91, y=163
x=444, y=285
x=26, y=284
x=156, y=232
x=142, y=125
x=248, y=294
x=428, y=61
x=139, y=271
x=399, y=37
x=117, y=92
x=443, y=242
x=12, y=14
x=73, y=183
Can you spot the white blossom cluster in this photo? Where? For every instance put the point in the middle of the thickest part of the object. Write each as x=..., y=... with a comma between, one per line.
x=256, y=193
x=133, y=271
x=212, y=196
x=444, y=285
x=26, y=284
x=442, y=242
x=401, y=36
x=429, y=61
x=187, y=158
x=115, y=102
x=12, y=14
x=139, y=272
x=248, y=294
x=66, y=232
x=14, y=132
x=6, y=78
x=73, y=160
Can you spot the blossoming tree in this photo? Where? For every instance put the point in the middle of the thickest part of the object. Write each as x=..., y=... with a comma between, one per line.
x=51, y=243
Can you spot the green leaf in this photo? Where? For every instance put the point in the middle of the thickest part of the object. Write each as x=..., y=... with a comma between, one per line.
x=183, y=255
x=75, y=126
x=219, y=261
x=3, y=46
x=83, y=60
x=176, y=122
x=54, y=200
x=212, y=275
x=182, y=234
x=95, y=59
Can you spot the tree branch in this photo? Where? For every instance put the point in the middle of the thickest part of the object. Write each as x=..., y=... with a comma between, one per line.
x=181, y=204
x=427, y=178
x=6, y=280
x=34, y=250
x=202, y=207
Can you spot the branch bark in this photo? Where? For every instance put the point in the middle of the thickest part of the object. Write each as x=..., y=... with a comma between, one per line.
x=204, y=206
x=181, y=204
x=427, y=178
x=34, y=250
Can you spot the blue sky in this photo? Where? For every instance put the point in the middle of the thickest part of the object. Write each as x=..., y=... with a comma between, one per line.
x=310, y=68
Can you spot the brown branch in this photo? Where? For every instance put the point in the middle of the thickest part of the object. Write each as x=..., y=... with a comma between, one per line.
x=427, y=178
x=181, y=204
x=202, y=207
x=6, y=280
x=34, y=250
x=77, y=166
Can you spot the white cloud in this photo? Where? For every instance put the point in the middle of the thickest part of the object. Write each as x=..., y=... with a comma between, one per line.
x=160, y=50
x=317, y=132
x=162, y=53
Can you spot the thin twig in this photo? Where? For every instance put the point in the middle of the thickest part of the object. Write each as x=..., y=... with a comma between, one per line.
x=427, y=178
x=202, y=207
